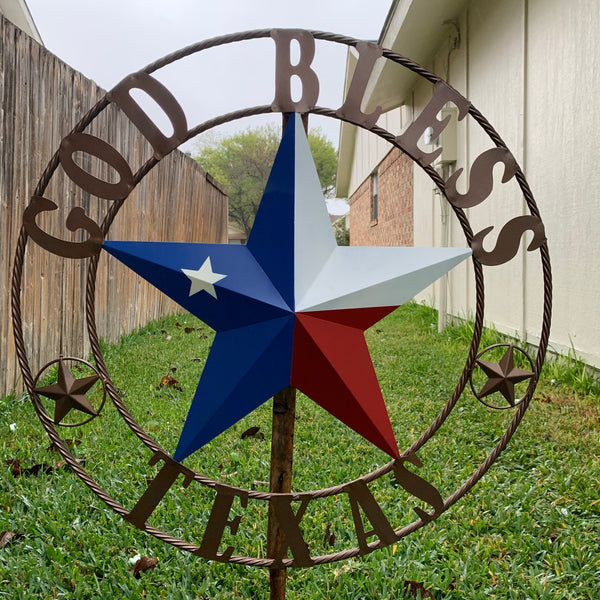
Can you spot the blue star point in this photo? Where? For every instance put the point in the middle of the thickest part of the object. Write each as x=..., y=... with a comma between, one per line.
x=290, y=307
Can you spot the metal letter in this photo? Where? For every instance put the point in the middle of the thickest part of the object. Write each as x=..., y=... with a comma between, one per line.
x=481, y=179
x=288, y=521
x=106, y=153
x=368, y=53
x=361, y=497
x=162, y=96
x=509, y=239
x=218, y=520
x=284, y=70
x=76, y=219
x=417, y=486
x=428, y=118
x=158, y=488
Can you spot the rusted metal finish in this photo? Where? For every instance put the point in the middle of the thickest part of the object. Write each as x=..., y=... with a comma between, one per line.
x=68, y=392
x=368, y=53
x=509, y=239
x=480, y=187
x=279, y=502
x=77, y=219
x=502, y=376
x=285, y=70
x=155, y=491
x=121, y=96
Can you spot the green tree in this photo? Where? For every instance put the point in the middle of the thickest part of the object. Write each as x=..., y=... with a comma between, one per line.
x=242, y=163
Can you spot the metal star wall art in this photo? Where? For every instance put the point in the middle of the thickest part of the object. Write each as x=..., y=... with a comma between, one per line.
x=69, y=393
x=502, y=376
x=290, y=308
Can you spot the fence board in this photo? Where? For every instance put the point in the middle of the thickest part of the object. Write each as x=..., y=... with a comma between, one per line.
x=41, y=99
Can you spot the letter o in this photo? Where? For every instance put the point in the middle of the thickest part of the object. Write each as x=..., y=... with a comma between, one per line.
x=104, y=152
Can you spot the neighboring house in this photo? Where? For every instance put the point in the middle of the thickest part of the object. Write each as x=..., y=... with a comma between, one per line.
x=531, y=67
x=18, y=13
x=235, y=234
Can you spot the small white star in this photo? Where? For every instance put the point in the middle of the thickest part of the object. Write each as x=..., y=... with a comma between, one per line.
x=203, y=279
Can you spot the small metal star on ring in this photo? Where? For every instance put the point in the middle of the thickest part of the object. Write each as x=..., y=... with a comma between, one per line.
x=69, y=393
x=502, y=376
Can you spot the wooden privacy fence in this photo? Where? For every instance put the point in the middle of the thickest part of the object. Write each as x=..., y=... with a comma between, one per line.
x=41, y=99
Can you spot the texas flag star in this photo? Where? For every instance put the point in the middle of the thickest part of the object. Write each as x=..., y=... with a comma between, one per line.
x=202, y=279
x=290, y=307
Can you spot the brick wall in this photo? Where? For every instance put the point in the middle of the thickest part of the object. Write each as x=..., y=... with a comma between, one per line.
x=394, y=223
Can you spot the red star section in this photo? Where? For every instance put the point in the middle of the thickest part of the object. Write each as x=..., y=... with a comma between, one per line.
x=332, y=365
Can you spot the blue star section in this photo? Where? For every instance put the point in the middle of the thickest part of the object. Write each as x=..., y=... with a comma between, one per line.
x=271, y=240
x=243, y=297
x=246, y=366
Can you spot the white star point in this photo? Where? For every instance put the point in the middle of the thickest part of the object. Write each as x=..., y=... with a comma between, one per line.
x=203, y=279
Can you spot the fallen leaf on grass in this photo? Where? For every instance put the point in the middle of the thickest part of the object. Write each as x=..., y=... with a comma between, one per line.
x=143, y=564
x=253, y=432
x=168, y=381
x=17, y=469
x=414, y=588
x=6, y=537
x=189, y=329
x=15, y=466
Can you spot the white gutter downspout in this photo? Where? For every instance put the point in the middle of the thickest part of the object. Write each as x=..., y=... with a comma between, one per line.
x=523, y=126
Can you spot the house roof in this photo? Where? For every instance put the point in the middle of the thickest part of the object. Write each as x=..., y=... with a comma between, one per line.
x=18, y=13
x=413, y=28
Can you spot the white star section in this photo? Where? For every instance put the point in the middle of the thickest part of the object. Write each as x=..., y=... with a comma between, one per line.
x=203, y=279
x=328, y=277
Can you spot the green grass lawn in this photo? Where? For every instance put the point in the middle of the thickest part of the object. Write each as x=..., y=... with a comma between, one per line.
x=529, y=529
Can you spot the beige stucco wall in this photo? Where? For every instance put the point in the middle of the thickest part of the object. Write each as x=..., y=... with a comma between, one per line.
x=532, y=67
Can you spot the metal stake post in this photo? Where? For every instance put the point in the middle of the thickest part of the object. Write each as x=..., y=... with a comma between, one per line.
x=282, y=456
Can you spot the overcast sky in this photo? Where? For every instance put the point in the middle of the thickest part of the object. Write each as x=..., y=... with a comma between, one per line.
x=108, y=39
